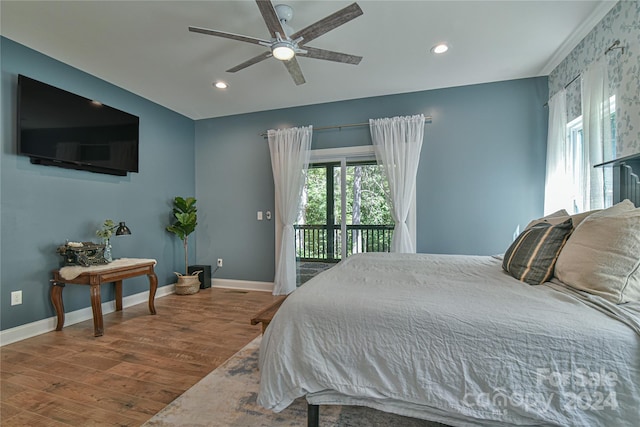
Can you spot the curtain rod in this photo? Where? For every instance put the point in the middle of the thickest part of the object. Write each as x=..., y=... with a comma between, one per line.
x=427, y=119
x=572, y=80
x=546, y=104
x=614, y=46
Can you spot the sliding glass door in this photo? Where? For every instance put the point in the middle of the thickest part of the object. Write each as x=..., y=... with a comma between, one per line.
x=344, y=211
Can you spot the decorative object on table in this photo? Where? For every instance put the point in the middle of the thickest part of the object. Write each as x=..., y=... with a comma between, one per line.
x=84, y=254
x=185, y=221
x=106, y=232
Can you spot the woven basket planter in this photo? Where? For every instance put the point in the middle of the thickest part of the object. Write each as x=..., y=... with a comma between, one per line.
x=188, y=285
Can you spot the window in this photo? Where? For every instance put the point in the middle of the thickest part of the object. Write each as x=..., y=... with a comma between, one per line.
x=575, y=152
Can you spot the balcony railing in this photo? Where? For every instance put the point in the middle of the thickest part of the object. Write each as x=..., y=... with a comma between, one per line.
x=324, y=242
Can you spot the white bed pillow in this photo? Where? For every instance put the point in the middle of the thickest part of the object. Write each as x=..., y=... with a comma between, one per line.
x=558, y=217
x=561, y=216
x=624, y=206
x=578, y=218
x=602, y=256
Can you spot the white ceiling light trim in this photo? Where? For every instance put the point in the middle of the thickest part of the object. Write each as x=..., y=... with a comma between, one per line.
x=283, y=50
x=440, y=48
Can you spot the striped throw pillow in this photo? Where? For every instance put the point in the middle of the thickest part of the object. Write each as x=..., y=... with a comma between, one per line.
x=532, y=257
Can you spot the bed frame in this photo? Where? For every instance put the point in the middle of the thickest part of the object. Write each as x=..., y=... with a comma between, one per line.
x=625, y=178
x=629, y=184
x=626, y=185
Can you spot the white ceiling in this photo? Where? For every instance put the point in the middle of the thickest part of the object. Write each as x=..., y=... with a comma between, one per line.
x=145, y=47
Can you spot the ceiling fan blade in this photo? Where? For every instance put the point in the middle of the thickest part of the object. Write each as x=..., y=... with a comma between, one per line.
x=270, y=18
x=330, y=55
x=228, y=35
x=251, y=61
x=327, y=24
x=294, y=69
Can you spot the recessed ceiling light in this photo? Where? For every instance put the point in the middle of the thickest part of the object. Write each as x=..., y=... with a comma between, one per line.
x=221, y=85
x=96, y=103
x=440, y=48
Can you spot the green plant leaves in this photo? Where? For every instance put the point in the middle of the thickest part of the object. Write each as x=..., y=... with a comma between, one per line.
x=107, y=229
x=186, y=218
x=184, y=205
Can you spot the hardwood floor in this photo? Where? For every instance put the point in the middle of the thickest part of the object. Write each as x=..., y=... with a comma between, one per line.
x=142, y=362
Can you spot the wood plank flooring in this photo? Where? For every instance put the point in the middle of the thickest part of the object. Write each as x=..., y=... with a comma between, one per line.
x=142, y=362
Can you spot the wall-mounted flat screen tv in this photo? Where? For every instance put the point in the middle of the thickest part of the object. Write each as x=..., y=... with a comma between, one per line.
x=59, y=128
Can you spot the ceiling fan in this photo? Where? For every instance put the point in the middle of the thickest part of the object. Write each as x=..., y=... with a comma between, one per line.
x=285, y=44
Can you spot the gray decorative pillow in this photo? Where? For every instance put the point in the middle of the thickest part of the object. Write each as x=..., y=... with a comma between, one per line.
x=531, y=258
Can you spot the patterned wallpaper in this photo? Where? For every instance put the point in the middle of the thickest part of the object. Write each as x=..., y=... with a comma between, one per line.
x=621, y=23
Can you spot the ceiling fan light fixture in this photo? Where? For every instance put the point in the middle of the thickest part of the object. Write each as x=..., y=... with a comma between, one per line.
x=283, y=51
x=285, y=44
x=221, y=85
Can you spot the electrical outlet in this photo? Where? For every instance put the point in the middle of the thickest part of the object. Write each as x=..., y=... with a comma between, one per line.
x=16, y=297
x=219, y=262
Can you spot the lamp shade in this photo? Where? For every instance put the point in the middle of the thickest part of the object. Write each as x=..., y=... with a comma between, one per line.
x=122, y=230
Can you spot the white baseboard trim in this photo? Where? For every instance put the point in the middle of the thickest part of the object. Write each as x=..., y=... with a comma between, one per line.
x=32, y=329
x=246, y=285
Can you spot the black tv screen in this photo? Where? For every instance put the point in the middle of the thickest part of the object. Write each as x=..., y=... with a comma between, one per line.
x=59, y=128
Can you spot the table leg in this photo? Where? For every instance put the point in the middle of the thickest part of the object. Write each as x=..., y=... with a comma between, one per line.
x=118, y=285
x=153, y=286
x=56, y=300
x=96, y=306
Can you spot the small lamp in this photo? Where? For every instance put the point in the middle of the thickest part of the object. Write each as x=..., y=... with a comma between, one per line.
x=122, y=230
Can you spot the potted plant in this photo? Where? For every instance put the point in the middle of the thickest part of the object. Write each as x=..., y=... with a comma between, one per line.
x=185, y=221
x=105, y=234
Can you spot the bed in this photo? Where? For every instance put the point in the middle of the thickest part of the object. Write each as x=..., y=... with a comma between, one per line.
x=458, y=340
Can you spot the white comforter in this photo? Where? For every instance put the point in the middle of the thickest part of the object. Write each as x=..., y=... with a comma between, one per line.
x=453, y=339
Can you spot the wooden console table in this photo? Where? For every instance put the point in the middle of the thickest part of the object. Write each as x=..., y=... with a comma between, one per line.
x=95, y=276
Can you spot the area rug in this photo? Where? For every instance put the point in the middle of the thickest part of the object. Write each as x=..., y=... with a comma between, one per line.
x=227, y=398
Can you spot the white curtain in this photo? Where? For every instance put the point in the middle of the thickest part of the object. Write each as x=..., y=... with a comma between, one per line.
x=557, y=194
x=290, y=152
x=596, y=119
x=397, y=142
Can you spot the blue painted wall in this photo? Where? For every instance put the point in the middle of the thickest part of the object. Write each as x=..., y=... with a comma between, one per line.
x=481, y=170
x=41, y=206
x=481, y=175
